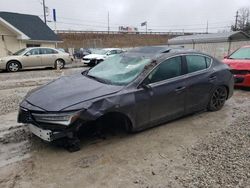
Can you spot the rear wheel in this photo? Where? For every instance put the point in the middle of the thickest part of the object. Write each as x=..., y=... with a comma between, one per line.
x=218, y=99
x=13, y=66
x=60, y=63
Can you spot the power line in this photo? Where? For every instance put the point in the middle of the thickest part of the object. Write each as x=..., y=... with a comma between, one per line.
x=155, y=27
x=152, y=28
x=160, y=26
x=87, y=25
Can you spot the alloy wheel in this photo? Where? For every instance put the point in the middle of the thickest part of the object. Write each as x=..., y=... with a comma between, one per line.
x=218, y=98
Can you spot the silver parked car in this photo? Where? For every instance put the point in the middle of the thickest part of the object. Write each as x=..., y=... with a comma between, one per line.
x=35, y=57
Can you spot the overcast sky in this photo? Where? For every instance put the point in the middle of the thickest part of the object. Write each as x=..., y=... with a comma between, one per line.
x=161, y=15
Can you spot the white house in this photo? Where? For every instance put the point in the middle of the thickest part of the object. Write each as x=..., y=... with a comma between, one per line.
x=19, y=31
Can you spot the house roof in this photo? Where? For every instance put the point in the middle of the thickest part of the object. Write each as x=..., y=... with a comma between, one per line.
x=31, y=26
x=214, y=37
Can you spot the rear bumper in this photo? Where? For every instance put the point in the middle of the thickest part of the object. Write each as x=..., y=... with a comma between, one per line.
x=242, y=80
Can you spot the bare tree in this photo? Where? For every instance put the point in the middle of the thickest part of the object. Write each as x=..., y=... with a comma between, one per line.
x=242, y=21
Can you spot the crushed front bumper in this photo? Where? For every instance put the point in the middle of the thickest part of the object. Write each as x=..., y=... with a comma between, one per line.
x=46, y=135
x=47, y=132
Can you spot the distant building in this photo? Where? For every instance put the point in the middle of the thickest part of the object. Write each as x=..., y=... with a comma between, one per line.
x=216, y=44
x=19, y=31
x=127, y=29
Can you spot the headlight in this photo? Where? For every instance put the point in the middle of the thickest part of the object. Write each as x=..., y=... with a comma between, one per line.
x=60, y=118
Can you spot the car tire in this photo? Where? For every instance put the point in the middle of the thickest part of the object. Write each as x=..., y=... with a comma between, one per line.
x=218, y=98
x=13, y=66
x=59, y=62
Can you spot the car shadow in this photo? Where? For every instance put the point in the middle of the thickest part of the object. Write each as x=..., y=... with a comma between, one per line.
x=101, y=134
x=27, y=70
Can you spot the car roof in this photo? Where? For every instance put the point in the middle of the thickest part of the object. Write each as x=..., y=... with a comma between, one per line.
x=39, y=47
x=157, y=51
x=109, y=49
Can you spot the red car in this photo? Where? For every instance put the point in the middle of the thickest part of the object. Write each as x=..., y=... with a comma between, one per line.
x=239, y=62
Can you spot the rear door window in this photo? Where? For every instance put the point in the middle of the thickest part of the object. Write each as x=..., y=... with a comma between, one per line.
x=48, y=51
x=197, y=63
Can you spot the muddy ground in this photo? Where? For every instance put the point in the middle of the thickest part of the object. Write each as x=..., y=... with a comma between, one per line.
x=208, y=149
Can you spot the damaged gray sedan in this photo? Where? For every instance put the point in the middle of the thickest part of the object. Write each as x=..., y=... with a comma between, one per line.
x=139, y=89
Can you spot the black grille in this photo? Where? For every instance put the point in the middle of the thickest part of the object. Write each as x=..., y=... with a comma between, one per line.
x=24, y=116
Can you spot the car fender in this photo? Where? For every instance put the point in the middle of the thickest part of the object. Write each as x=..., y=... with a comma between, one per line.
x=14, y=60
x=112, y=104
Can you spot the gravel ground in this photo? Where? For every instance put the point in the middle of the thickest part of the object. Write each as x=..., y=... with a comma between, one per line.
x=222, y=159
x=201, y=150
x=10, y=98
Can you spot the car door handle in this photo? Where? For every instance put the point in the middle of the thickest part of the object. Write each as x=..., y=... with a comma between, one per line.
x=180, y=89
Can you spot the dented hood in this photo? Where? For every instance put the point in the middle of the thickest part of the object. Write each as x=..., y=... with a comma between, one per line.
x=68, y=91
x=238, y=64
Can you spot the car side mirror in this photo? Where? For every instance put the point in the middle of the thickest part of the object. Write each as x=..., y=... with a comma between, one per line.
x=108, y=54
x=145, y=86
x=28, y=54
x=226, y=57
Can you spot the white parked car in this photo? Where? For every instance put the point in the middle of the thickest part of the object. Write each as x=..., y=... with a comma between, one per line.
x=98, y=55
x=35, y=57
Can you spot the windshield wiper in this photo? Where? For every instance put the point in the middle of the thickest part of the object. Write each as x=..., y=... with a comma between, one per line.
x=98, y=79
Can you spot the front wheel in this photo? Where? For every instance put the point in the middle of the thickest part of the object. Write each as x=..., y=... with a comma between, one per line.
x=13, y=66
x=218, y=99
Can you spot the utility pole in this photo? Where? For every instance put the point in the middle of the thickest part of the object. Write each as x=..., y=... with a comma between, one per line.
x=236, y=20
x=108, y=23
x=44, y=12
x=207, y=28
